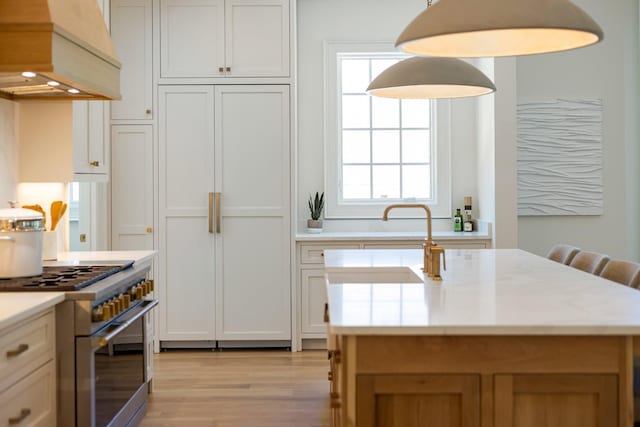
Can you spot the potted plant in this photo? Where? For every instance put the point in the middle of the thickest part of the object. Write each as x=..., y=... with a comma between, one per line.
x=316, y=204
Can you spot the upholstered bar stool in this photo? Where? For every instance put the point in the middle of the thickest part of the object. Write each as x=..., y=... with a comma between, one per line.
x=591, y=262
x=624, y=272
x=562, y=253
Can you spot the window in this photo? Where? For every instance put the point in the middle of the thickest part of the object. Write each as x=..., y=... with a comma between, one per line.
x=379, y=151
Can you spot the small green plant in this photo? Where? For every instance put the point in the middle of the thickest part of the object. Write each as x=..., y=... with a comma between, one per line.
x=316, y=204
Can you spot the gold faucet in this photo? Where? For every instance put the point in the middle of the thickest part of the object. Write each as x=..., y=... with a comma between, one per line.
x=431, y=257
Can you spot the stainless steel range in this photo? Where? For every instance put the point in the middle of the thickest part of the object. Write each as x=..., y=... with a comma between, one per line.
x=101, y=340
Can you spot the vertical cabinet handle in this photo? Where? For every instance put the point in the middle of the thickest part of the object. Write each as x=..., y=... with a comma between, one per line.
x=218, y=197
x=211, y=213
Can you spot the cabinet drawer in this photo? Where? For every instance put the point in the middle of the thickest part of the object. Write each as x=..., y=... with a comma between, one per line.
x=26, y=347
x=31, y=402
x=314, y=254
x=463, y=245
x=416, y=245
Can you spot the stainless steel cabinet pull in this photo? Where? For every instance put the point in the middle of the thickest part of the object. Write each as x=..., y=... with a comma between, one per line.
x=218, y=207
x=21, y=349
x=211, y=213
x=24, y=413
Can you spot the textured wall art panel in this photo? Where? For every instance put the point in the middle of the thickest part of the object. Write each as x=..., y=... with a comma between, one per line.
x=560, y=157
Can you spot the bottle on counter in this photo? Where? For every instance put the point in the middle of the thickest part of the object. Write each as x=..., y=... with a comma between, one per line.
x=457, y=221
x=468, y=221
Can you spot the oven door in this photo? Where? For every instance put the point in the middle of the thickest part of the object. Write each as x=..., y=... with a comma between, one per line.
x=110, y=371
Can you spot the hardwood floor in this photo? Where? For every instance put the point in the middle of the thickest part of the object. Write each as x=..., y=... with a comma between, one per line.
x=239, y=388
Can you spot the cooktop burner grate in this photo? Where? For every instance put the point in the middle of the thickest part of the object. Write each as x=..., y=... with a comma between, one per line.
x=61, y=278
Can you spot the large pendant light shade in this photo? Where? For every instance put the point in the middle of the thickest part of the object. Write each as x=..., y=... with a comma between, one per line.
x=489, y=28
x=421, y=77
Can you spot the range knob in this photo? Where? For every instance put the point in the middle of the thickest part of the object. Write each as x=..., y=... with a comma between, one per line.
x=126, y=298
x=139, y=292
x=106, y=312
x=132, y=293
x=96, y=314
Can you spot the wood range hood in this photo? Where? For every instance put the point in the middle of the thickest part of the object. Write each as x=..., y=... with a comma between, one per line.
x=63, y=41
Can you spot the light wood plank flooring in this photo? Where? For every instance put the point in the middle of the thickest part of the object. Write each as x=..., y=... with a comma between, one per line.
x=240, y=389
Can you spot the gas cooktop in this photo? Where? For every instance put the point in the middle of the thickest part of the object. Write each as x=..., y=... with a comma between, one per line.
x=62, y=278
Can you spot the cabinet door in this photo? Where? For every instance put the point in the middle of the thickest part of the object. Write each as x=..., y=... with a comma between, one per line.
x=313, y=297
x=556, y=400
x=253, y=247
x=90, y=146
x=192, y=38
x=418, y=400
x=132, y=187
x=131, y=35
x=186, y=161
x=257, y=38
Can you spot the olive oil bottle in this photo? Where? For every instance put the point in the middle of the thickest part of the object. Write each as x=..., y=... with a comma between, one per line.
x=457, y=221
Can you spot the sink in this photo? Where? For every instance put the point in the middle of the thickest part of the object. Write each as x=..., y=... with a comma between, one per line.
x=373, y=275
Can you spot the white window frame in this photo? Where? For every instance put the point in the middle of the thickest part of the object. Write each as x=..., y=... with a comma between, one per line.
x=440, y=202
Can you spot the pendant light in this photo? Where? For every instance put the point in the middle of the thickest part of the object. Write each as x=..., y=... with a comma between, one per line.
x=490, y=28
x=430, y=77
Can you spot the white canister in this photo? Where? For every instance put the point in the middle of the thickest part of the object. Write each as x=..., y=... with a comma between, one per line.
x=20, y=243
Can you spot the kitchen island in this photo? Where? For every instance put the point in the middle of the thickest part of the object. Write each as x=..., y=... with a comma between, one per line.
x=507, y=338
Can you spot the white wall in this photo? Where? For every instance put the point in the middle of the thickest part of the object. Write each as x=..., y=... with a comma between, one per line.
x=8, y=152
x=364, y=20
x=609, y=71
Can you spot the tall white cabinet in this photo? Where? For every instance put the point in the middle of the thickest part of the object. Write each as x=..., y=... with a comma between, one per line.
x=224, y=213
x=201, y=168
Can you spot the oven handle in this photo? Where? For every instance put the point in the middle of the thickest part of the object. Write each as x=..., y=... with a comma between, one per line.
x=102, y=339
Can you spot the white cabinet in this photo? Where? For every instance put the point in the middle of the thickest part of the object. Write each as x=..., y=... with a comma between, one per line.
x=252, y=245
x=224, y=38
x=90, y=141
x=27, y=373
x=132, y=38
x=224, y=213
x=132, y=187
x=187, y=252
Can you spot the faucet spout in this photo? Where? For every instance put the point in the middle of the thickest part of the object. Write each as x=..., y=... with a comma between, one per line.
x=428, y=243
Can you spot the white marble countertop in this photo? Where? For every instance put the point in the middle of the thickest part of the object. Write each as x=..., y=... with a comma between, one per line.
x=17, y=306
x=483, y=292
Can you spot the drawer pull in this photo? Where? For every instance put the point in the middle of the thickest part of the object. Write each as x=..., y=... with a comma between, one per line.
x=24, y=413
x=17, y=352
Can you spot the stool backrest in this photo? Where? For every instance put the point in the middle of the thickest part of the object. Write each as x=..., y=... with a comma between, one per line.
x=591, y=262
x=562, y=253
x=624, y=272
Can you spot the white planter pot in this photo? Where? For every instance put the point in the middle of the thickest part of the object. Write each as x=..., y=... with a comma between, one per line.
x=314, y=226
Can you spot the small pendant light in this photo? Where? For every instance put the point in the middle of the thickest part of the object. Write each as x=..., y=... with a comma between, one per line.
x=422, y=77
x=490, y=28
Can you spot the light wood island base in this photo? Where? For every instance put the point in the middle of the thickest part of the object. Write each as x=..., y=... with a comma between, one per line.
x=481, y=381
